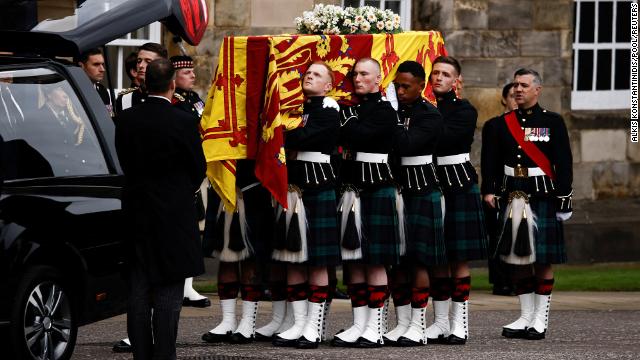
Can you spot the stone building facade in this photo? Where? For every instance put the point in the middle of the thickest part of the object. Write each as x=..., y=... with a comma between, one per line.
x=492, y=38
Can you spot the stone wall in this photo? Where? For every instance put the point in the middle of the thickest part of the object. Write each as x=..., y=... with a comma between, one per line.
x=241, y=18
x=493, y=38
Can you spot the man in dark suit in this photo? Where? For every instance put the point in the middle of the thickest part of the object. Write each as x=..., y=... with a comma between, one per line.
x=92, y=62
x=163, y=163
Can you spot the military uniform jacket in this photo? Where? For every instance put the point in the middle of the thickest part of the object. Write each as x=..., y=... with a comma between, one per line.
x=416, y=134
x=457, y=136
x=188, y=101
x=549, y=133
x=163, y=163
x=319, y=133
x=130, y=97
x=367, y=127
x=104, y=95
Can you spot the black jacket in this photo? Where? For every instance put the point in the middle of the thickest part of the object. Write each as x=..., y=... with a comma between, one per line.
x=459, y=125
x=416, y=134
x=188, y=101
x=419, y=128
x=368, y=126
x=457, y=136
x=138, y=96
x=319, y=133
x=161, y=155
x=500, y=148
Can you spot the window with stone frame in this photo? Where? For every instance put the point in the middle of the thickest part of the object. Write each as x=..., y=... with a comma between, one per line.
x=119, y=49
x=601, y=55
x=400, y=7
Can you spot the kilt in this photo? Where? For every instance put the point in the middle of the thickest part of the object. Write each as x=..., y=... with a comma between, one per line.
x=549, y=236
x=425, y=229
x=323, y=240
x=260, y=221
x=380, y=240
x=464, y=228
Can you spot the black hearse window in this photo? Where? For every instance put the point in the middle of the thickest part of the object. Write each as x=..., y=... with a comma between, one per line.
x=44, y=128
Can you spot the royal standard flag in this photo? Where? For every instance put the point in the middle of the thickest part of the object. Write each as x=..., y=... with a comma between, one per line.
x=256, y=95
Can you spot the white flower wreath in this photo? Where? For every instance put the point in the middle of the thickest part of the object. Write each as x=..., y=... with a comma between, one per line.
x=334, y=20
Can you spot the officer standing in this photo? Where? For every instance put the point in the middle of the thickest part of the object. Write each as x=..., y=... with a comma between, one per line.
x=92, y=62
x=184, y=97
x=415, y=140
x=465, y=235
x=529, y=176
x=136, y=95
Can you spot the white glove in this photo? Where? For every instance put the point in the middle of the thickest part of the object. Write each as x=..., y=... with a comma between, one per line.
x=564, y=216
x=391, y=96
x=330, y=103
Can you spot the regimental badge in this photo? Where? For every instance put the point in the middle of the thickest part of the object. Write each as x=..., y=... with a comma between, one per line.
x=199, y=106
x=537, y=134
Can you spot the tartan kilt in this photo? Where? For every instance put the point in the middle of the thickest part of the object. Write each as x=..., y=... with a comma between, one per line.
x=380, y=240
x=323, y=240
x=464, y=227
x=549, y=235
x=260, y=221
x=425, y=229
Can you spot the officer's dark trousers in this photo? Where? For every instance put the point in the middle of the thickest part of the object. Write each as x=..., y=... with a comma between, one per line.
x=152, y=316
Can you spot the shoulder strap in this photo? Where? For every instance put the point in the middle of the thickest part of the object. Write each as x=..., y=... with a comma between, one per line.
x=528, y=147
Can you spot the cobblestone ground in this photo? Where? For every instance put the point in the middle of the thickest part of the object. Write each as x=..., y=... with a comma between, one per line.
x=597, y=331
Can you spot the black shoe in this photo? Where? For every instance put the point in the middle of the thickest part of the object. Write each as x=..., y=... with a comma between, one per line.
x=390, y=343
x=237, y=338
x=439, y=340
x=280, y=342
x=303, y=343
x=337, y=342
x=502, y=290
x=406, y=342
x=216, y=338
x=202, y=303
x=122, y=347
x=454, y=340
x=533, y=334
x=366, y=344
x=262, y=338
x=339, y=294
x=514, y=333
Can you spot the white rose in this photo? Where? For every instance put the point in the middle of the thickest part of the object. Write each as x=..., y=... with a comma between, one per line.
x=371, y=17
x=353, y=29
x=388, y=25
x=365, y=26
x=380, y=25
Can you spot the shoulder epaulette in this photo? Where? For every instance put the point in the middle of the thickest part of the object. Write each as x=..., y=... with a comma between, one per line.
x=178, y=96
x=127, y=91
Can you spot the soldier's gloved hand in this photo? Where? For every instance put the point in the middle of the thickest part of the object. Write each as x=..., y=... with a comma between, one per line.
x=328, y=102
x=564, y=207
x=562, y=216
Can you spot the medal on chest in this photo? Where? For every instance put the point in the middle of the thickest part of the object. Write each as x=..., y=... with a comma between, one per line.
x=537, y=134
x=199, y=106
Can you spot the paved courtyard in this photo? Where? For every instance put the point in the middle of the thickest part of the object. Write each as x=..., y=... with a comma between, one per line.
x=583, y=325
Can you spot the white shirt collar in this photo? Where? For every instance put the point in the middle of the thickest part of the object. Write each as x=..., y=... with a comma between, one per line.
x=161, y=97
